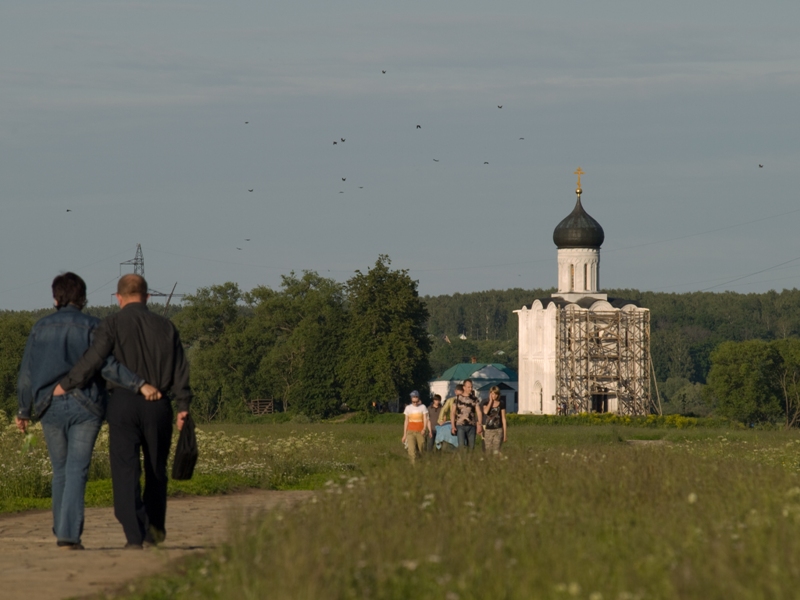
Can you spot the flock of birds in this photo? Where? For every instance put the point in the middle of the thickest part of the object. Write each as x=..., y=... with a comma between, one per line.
x=343, y=140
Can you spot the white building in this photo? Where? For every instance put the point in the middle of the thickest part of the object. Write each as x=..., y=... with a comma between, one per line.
x=579, y=350
x=484, y=376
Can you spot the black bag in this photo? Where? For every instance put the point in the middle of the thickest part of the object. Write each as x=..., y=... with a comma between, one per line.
x=185, y=452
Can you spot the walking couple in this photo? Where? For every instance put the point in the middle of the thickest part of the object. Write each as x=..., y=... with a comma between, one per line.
x=67, y=357
x=469, y=417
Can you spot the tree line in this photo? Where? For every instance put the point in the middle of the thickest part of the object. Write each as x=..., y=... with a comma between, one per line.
x=685, y=328
x=315, y=344
x=311, y=346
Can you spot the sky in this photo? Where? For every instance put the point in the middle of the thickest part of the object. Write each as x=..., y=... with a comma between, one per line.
x=125, y=123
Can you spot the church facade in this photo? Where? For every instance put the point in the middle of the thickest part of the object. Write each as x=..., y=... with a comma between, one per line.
x=579, y=350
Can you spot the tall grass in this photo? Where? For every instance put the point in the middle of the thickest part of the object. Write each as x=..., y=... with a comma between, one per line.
x=228, y=461
x=561, y=514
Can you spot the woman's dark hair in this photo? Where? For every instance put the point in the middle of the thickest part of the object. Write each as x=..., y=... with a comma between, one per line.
x=69, y=288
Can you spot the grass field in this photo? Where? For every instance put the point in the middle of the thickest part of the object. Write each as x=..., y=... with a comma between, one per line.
x=603, y=512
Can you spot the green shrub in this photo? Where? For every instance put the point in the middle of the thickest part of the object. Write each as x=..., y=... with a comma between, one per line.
x=367, y=416
x=673, y=421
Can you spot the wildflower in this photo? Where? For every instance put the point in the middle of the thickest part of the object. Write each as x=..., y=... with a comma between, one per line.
x=411, y=565
x=691, y=498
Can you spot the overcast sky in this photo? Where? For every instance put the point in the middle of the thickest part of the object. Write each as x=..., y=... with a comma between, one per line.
x=124, y=123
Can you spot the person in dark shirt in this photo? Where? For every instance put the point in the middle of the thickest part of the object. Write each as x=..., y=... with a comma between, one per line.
x=434, y=410
x=70, y=422
x=494, y=422
x=148, y=345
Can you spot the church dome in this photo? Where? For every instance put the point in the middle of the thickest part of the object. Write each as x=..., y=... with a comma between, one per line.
x=578, y=230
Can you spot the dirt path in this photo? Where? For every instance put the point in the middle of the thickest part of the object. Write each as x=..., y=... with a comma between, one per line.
x=33, y=568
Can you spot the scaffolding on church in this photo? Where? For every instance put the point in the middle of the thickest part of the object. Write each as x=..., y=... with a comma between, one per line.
x=603, y=361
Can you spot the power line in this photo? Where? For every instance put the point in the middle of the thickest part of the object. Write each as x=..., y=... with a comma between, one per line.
x=751, y=274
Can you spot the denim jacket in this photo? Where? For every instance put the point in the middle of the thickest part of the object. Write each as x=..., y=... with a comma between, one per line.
x=55, y=343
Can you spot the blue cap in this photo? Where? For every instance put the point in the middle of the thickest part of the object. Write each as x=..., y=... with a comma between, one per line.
x=414, y=394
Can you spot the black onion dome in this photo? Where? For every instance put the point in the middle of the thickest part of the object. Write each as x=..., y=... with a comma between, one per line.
x=578, y=230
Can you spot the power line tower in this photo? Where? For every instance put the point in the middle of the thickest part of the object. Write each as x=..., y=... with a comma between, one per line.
x=138, y=269
x=137, y=262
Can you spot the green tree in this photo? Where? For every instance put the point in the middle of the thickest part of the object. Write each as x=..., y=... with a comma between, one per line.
x=301, y=328
x=386, y=345
x=221, y=358
x=744, y=381
x=789, y=378
x=14, y=329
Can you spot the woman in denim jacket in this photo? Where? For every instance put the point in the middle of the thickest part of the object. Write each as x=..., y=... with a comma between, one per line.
x=70, y=422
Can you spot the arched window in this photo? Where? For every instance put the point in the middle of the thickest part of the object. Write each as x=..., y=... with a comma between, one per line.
x=572, y=278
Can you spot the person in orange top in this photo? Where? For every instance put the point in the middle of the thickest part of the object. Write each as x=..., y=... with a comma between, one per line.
x=415, y=425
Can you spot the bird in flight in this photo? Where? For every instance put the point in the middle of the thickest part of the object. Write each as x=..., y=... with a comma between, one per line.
x=435, y=160
x=419, y=126
x=246, y=239
x=361, y=187
x=486, y=163
x=382, y=71
x=760, y=166
x=69, y=210
x=237, y=247
x=341, y=192
x=249, y=190
x=334, y=142
x=522, y=138
x=246, y=122
x=342, y=139
x=344, y=178
x=499, y=106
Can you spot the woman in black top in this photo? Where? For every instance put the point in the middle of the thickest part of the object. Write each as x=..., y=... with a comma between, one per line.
x=494, y=422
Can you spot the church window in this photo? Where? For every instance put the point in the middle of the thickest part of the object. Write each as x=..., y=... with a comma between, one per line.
x=571, y=278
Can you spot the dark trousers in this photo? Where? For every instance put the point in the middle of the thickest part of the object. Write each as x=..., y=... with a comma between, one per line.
x=135, y=427
x=430, y=442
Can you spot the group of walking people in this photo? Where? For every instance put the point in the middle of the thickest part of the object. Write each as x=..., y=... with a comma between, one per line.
x=458, y=422
x=68, y=358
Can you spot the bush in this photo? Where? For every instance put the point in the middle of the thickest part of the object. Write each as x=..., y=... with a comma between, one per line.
x=654, y=421
x=367, y=416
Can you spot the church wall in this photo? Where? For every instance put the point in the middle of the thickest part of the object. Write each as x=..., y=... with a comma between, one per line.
x=525, y=382
x=537, y=377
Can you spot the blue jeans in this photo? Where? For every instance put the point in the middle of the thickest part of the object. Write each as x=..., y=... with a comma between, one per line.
x=466, y=436
x=70, y=432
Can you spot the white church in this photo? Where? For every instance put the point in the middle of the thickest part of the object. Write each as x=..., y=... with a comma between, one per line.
x=579, y=350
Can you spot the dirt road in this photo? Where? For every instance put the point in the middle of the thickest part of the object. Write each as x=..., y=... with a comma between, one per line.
x=33, y=568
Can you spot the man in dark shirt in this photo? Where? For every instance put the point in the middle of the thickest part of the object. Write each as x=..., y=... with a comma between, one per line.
x=434, y=410
x=148, y=345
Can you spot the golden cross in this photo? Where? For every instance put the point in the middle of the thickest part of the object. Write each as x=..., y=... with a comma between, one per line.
x=579, y=172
